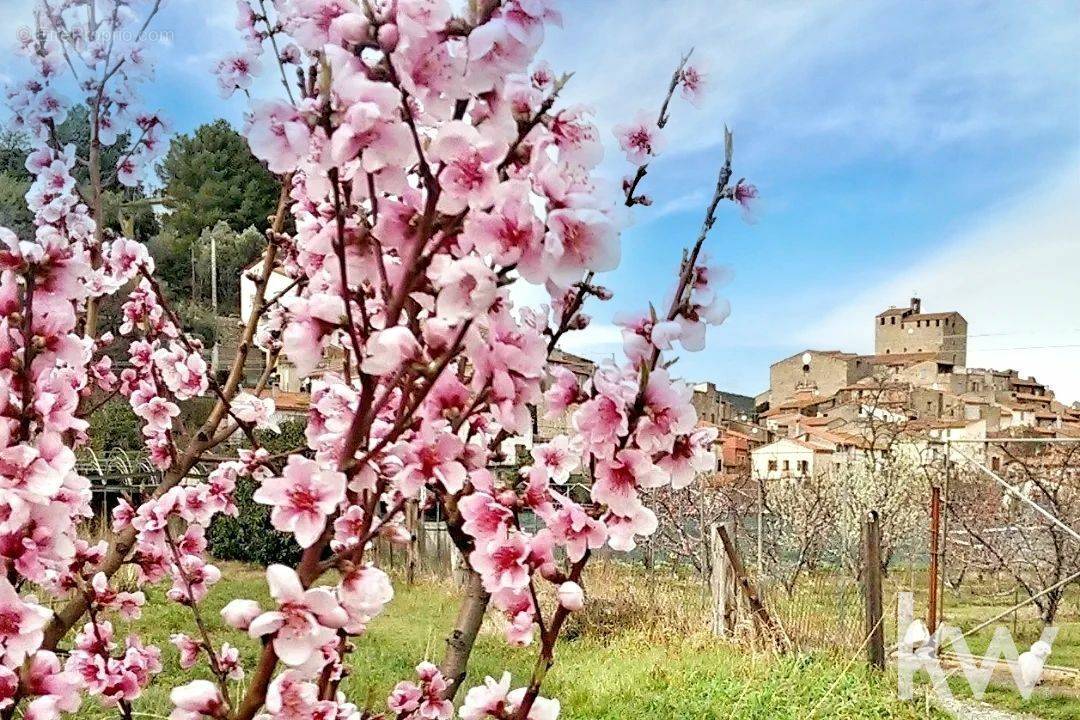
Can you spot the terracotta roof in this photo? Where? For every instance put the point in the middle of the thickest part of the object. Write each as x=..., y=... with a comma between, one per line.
x=837, y=438
x=286, y=401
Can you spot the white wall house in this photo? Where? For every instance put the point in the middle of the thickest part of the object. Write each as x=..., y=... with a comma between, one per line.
x=790, y=457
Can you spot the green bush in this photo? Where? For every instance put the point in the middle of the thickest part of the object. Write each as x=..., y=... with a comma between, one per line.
x=114, y=426
x=249, y=537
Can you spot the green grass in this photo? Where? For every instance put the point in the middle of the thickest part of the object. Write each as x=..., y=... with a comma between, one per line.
x=646, y=671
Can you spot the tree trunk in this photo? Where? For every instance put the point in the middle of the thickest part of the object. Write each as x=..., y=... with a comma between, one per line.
x=460, y=641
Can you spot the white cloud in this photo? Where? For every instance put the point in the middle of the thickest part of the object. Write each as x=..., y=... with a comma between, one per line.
x=1013, y=275
x=874, y=77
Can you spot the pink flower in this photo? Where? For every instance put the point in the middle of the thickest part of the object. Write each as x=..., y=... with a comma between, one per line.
x=618, y=480
x=277, y=134
x=690, y=455
x=623, y=528
x=641, y=140
x=371, y=127
x=573, y=527
x=466, y=287
x=386, y=350
x=311, y=320
x=559, y=457
x=571, y=596
x=236, y=72
x=509, y=232
x=430, y=457
x=580, y=239
x=158, y=413
x=21, y=625
x=600, y=422
x=365, y=592
x=468, y=177
x=304, y=621
x=485, y=518
x=302, y=498
x=503, y=562
x=667, y=413
x=563, y=393
x=487, y=700
x=189, y=649
x=692, y=82
x=255, y=410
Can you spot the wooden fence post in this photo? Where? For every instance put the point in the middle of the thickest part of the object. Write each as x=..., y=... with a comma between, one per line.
x=871, y=562
x=721, y=583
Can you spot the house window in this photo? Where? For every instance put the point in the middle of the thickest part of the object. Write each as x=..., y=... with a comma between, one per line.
x=772, y=466
x=892, y=320
x=787, y=465
x=804, y=467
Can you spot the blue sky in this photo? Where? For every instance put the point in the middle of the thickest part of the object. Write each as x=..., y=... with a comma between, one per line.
x=899, y=147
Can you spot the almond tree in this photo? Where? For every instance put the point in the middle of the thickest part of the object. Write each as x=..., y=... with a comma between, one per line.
x=426, y=169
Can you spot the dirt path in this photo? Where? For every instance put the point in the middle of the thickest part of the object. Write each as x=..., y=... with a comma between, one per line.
x=972, y=710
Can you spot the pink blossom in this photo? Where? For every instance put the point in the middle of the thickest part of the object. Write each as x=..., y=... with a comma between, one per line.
x=580, y=239
x=641, y=140
x=600, y=422
x=302, y=498
x=304, y=621
x=255, y=410
x=485, y=518
x=158, y=413
x=692, y=82
x=466, y=287
x=468, y=177
x=278, y=135
x=431, y=457
x=311, y=320
x=509, y=232
x=559, y=457
x=623, y=528
x=487, y=700
x=189, y=649
x=619, y=479
x=503, y=562
x=386, y=350
x=236, y=72
x=365, y=592
x=21, y=625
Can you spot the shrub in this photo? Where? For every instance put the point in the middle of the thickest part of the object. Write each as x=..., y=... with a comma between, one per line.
x=249, y=537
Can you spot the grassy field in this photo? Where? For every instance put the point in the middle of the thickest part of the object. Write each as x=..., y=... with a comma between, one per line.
x=638, y=654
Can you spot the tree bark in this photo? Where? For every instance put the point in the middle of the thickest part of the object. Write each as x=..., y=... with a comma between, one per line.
x=460, y=641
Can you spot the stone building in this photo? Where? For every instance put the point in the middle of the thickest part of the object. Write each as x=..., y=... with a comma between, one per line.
x=906, y=331
x=815, y=372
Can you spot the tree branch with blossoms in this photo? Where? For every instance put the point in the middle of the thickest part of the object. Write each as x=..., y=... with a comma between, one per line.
x=426, y=169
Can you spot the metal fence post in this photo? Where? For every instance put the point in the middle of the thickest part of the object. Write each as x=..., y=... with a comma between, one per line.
x=871, y=561
x=935, y=557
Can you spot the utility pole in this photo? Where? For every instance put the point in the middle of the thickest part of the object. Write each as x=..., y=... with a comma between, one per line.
x=213, y=299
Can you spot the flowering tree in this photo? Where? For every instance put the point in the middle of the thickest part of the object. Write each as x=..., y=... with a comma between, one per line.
x=427, y=169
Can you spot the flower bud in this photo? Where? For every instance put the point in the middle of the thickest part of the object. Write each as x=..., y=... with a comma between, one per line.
x=571, y=596
x=239, y=613
x=388, y=37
